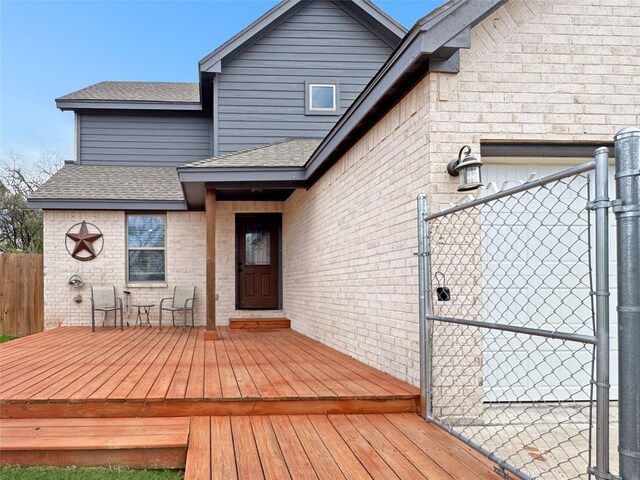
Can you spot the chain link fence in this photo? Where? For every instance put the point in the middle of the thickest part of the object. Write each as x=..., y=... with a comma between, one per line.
x=512, y=326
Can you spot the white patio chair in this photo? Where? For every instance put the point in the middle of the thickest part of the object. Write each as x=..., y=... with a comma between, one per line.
x=103, y=299
x=182, y=301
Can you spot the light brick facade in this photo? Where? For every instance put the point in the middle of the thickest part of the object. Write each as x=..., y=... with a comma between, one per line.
x=185, y=246
x=540, y=71
x=537, y=71
x=350, y=273
x=185, y=257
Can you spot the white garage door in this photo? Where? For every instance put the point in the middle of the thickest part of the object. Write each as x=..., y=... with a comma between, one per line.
x=519, y=287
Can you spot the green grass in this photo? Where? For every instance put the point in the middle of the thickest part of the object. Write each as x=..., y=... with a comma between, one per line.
x=72, y=473
x=6, y=338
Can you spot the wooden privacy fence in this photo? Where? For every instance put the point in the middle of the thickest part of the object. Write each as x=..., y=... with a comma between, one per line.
x=21, y=294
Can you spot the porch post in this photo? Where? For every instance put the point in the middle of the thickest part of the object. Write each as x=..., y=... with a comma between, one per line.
x=210, y=214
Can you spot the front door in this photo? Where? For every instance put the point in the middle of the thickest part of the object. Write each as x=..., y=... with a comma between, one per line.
x=258, y=262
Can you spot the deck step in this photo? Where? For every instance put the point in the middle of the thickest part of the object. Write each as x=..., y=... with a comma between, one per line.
x=259, y=323
x=158, y=442
x=338, y=446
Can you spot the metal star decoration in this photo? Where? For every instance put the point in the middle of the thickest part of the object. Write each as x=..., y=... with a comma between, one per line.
x=84, y=242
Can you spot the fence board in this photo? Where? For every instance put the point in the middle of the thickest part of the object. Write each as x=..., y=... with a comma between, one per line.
x=21, y=294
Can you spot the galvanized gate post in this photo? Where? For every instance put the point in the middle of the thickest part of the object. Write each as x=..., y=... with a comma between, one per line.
x=425, y=307
x=601, y=205
x=627, y=211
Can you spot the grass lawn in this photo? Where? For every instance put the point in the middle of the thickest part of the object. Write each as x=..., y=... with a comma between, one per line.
x=6, y=338
x=72, y=473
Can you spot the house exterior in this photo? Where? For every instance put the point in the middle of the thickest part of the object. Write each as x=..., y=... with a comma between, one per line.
x=284, y=187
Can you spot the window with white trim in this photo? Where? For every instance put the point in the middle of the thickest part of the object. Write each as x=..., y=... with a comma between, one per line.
x=322, y=98
x=146, y=237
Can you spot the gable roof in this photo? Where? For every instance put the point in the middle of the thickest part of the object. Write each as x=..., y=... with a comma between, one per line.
x=107, y=94
x=432, y=45
x=104, y=187
x=292, y=152
x=383, y=24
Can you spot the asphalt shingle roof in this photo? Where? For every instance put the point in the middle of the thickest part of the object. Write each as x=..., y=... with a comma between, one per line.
x=89, y=182
x=171, y=92
x=293, y=152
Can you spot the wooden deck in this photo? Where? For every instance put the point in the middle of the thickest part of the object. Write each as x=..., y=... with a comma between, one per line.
x=333, y=447
x=70, y=372
x=93, y=442
x=256, y=404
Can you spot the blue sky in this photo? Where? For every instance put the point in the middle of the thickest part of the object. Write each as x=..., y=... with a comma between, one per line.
x=51, y=48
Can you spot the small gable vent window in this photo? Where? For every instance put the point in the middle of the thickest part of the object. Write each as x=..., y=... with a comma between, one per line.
x=322, y=98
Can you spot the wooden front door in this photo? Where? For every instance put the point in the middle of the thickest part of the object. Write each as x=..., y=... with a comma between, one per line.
x=258, y=261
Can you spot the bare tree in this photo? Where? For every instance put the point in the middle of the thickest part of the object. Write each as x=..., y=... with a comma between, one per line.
x=20, y=226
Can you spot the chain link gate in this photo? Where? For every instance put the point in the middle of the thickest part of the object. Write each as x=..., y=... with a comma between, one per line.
x=513, y=319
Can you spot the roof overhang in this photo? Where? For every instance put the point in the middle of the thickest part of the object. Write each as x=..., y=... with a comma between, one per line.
x=240, y=183
x=107, y=204
x=130, y=105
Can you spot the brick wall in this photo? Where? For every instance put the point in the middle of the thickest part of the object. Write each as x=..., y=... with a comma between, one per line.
x=350, y=276
x=185, y=255
x=551, y=71
x=184, y=244
x=537, y=70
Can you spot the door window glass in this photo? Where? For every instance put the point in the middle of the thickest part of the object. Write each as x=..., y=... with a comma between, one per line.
x=258, y=246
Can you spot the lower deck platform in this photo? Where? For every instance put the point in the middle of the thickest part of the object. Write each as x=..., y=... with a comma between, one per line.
x=331, y=447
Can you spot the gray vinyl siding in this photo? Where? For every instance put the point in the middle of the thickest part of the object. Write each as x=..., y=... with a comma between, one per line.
x=139, y=140
x=262, y=89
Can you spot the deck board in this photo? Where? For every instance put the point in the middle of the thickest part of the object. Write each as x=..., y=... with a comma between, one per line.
x=248, y=461
x=339, y=449
x=323, y=462
x=141, y=390
x=223, y=460
x=198, y=463
x=295, y=457
x=147, y=372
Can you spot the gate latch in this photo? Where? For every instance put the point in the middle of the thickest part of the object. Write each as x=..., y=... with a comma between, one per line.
x=443, y=292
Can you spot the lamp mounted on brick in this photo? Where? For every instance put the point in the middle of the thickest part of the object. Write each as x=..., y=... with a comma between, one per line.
x=467, y=168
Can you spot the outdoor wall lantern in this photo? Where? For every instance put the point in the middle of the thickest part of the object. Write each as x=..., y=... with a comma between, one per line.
x=467, y=168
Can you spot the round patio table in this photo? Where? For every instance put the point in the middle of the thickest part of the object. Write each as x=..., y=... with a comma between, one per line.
x=143, y=309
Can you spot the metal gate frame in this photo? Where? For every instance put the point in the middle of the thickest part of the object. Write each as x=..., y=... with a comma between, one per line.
x=627, y=209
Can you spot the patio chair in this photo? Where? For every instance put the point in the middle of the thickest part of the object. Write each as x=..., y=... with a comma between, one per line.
x=182, y=301
x=103, y=299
